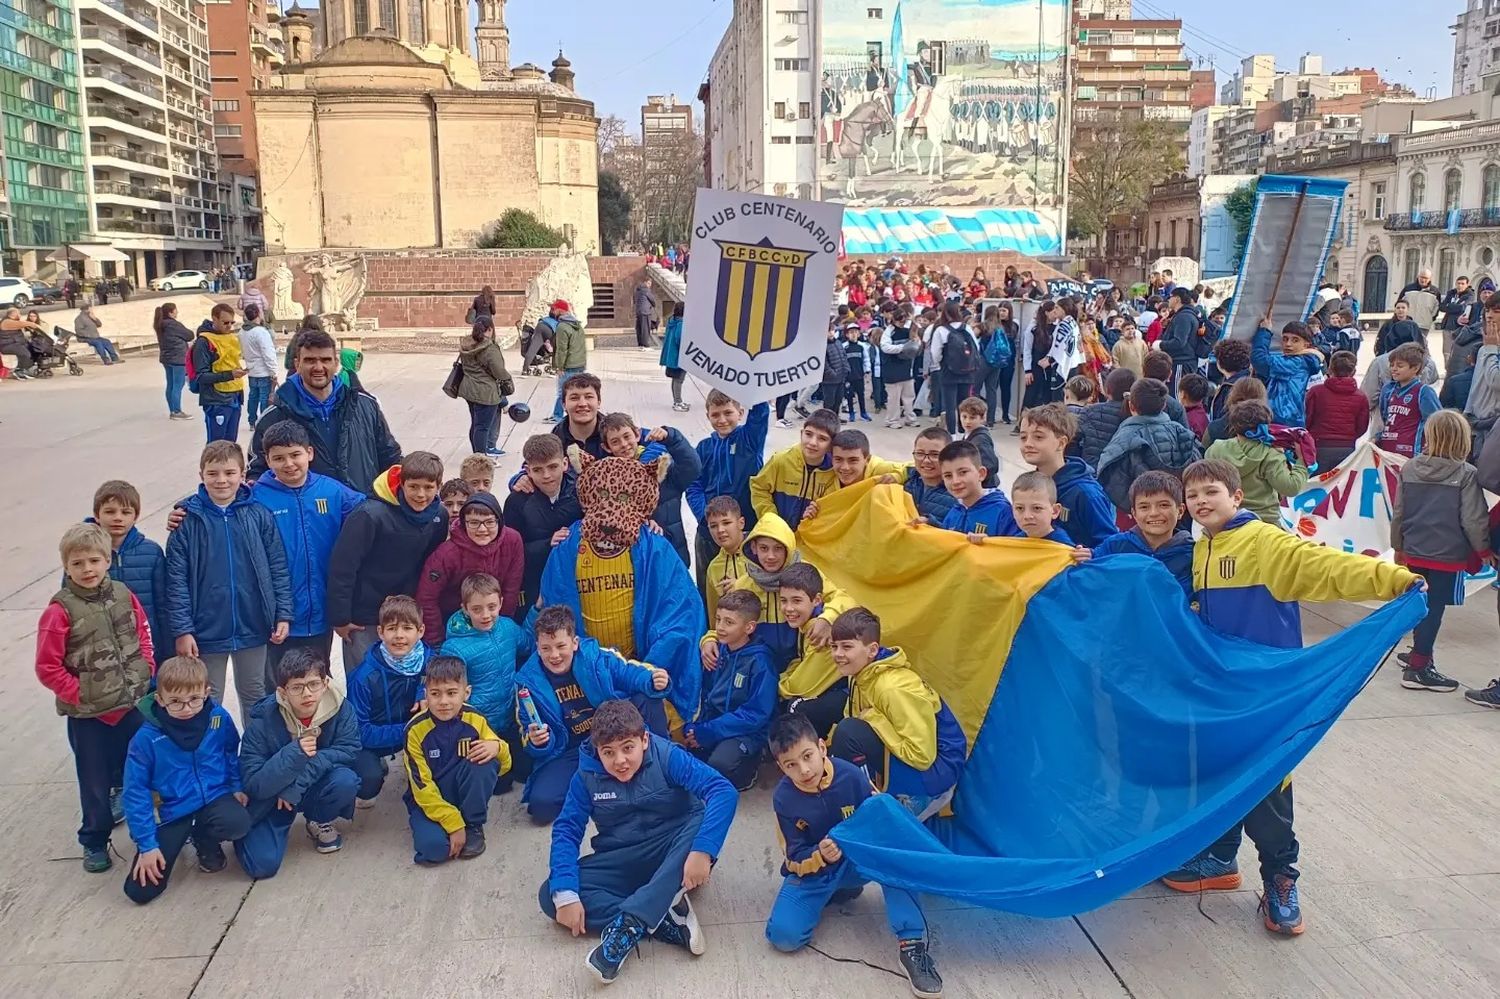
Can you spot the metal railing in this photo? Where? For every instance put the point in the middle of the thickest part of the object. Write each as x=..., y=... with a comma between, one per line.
x=134, y=13
x=131, y=83
x=136, y=226
x=106, y=149
x=189, y=232
x=1468, y=218
x=195, y=204
x=124, y=190
x=92, y=32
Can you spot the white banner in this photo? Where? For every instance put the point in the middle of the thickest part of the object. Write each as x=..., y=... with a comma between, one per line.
x=759, y=293
x=1350, y=506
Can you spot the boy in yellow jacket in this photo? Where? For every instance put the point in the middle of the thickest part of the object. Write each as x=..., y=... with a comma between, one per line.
x=799, y=475
x=895, y=726
x=1248, y=577
x=810, y=684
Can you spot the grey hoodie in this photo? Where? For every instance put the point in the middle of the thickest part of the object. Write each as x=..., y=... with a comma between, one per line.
x=1440, y=514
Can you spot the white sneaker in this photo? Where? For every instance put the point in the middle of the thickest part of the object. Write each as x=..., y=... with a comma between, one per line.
x=681, y=913
x=364, y=803
x=911, y=421
x=784, y=424
x=325, y=836
x=893, y=425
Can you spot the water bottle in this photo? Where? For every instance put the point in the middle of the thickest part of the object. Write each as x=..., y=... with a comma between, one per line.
x=532, y=717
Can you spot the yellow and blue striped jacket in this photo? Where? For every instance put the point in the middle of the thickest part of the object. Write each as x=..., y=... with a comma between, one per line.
x=433, y=749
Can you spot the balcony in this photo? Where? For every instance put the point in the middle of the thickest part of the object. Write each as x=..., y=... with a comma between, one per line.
x=183, y=137
x=193, y=232
x=195, y=204
x=182, y=11
x=119, y=41
x=1468, y=218
x=109, y=150
x=122, y=115
x=136, y=226
x=122, y=190
x=132, y=12
x=136, y=86
x=189, y=108
x=186, y=169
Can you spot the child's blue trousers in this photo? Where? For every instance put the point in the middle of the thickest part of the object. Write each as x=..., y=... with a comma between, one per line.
x=799, y=907
x=467, y=787
x=264, y=847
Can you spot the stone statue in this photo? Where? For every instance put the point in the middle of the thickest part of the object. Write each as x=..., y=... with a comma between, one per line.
x=284, y=308
x=565, y=277
x=338, y=287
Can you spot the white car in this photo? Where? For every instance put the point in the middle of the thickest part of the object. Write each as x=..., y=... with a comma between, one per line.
x=178, y=280
x=15, y=291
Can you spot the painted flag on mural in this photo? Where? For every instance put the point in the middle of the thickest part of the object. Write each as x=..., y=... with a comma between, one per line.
x=895, y=64
x=1112, y=735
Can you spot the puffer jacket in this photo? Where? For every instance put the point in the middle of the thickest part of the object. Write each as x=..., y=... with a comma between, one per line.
x=1440, y=520
x=1096, y=428
x=309, y=518
x=1338, y=414
x=172, y=342
x=458, y=558
x=570, y=347
x=141, y=564
x=485, y=381
x=272, y=763
x=165, y=781
x=932, y=502
x=351, y=442
x=227, y=580
x=835, y=369
x=1144, y=444
x=492, y=658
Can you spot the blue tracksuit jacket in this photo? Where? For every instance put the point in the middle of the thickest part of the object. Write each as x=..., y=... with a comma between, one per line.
x=804, y=819
x=604, y=675
x=728, y=464
x=991, y=515
x=1087, y=514
x=308, y=518
x=382, y=700
x=164, y=782
x=739, y=696
x=1176, y=554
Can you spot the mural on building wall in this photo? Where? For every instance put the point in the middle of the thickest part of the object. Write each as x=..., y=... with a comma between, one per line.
x=943, y=123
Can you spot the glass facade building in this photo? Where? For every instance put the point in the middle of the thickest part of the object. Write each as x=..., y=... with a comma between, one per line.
x=44, y=201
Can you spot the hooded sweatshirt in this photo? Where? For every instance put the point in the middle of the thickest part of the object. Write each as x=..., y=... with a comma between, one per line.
x=910, y=718
x=787, y=484
x=459, y=557
x=1266, y=474
x=272, y=763
x=1440, y=520
x=991, y=515
x=1087, y=514
x=381, y=551
x=780, y=637
x=1176, y=555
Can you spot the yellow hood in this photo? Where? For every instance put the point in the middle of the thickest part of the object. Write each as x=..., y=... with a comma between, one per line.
x=900, y=706
x=774, y=527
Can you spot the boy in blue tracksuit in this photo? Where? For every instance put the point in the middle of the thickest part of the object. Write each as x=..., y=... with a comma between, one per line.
x=491, y=646
x=566, y=680
x=730, y=456
x=309, y=510
x=297, y=756
x=1289, y=374
x=979, y=512
x=384, y=690
x=739, y=696
x=182, y=779
x=814, y=796
x=1156, y=504
x=661, y=818
x=1087, y=514
x=135, y=560
x=228, y=590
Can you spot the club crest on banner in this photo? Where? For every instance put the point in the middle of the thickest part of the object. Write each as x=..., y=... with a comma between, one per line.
x=760, y=294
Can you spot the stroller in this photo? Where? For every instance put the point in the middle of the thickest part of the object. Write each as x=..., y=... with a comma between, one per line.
x=50, y=351
x=537, y=351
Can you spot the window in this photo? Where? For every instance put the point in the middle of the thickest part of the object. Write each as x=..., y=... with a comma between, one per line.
x=361, y=17
x=416, y=23
x=388, y=16
x=1411, y=263
x=804, y=140
x=225, y=79
x=227, y=131
x=226, y=105
x=1491, y=202
x=780, y=109
x=1447, y=261
x=791, y=65
x=1377, y=201
x=781, y=140
x=875, y=13
x=1453, y=190
x=804, y=109
x=1415, y=200
x=792, y=16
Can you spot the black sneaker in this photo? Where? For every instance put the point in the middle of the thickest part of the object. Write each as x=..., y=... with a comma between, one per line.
x=211, y=859
x=619, y=938
x=96, y=859
x=1489, y=697
x=1427, y=678
x=920, y=970
x=681, y=927
x=473, y=843
x=116, y=805
x=1404, y=658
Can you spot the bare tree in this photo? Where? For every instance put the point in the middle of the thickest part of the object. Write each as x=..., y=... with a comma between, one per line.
x=611, y=133
x=1114, y=166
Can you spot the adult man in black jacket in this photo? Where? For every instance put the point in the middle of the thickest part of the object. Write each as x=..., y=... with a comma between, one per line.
x=1179, y=335
x=351, y=440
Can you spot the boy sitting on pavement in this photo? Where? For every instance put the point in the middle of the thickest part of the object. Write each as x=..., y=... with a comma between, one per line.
x=453, y=759
x=895, y=725
x=182, y=779
x=815, y=795
x=384, y=690
x=93, y=651
x=565, y=681
x=661, y=818
x=297, y=756
x=1033, y=500
x=739, y=696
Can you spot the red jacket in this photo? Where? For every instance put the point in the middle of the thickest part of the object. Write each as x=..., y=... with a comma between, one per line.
x=52, y=641
x=458, y=558
x=1338, y=413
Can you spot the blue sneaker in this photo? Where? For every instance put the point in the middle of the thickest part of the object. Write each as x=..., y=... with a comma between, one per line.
x=96, y=860
x=619, y=938
x=1204, y=872
x=1281, y=906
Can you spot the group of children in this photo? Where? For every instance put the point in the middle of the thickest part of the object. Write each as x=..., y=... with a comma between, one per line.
x=455, y=667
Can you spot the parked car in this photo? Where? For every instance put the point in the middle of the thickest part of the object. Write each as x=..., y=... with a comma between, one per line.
x=178, y=280
x=46, y=293
x=15, y=291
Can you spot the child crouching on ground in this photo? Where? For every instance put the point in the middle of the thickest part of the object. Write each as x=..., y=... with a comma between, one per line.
x=814, y=796
x=384, y=690
x=453, y=759
x=895, y=725
x=739, y=696
x=297, y=756
x=182, y=779
x=661, y=818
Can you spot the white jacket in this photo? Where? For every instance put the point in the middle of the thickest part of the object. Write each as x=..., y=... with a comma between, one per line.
x=258, y=352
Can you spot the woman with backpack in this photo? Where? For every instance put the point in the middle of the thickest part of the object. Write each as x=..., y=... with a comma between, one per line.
x=954, y=354
x=997, y=347
x=898, y=354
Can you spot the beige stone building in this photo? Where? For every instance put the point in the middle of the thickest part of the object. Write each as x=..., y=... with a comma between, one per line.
x=388, y=138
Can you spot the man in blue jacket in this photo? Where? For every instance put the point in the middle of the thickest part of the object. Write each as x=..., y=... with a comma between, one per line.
x=297, y=756
x=228, y=591
x=309, y=510
x=661, y=817
x=740, y=696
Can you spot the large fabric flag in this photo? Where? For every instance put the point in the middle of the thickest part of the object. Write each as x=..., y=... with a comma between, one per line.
x=895, y=65
x=1111, y=734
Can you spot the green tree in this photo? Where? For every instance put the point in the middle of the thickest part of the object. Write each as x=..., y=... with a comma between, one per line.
x=1114, y=165
x=614, y=211
x=518, y=229
x=1241, y=206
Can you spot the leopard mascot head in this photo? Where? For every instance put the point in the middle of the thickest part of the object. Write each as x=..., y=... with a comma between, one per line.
x=618, y=496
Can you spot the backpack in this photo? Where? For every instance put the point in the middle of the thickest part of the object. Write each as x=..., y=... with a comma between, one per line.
x=997, y=352
x=960, y=353
x=192, y=369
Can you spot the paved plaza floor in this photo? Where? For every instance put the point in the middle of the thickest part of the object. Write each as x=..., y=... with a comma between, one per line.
x=1398, y=810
